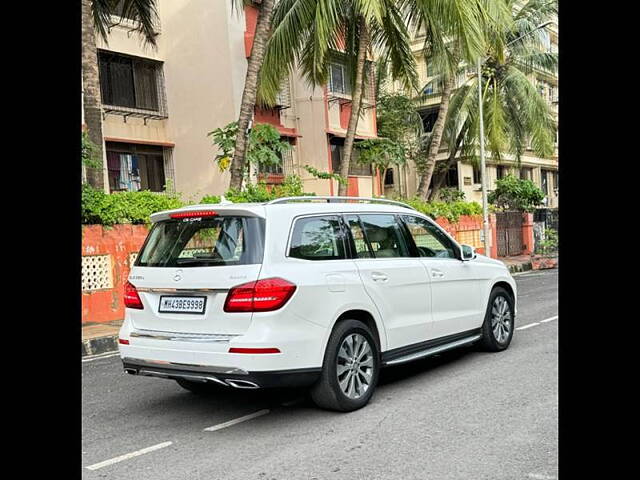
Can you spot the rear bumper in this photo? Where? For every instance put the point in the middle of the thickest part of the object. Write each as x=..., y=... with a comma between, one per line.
x=228, y=376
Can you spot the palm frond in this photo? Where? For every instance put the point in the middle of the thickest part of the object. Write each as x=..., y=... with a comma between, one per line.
x=143, y=12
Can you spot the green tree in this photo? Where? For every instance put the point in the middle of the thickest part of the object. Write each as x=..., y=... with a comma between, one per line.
x=264, y=148
x=248, y=101
x=381, y=154
x=515, y=113
x=465, y=39
x=96, y=17
x=310, y=33
x=512, y=193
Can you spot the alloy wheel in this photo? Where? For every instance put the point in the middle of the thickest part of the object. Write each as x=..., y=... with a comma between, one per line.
x=355, y=365
x=501, y=319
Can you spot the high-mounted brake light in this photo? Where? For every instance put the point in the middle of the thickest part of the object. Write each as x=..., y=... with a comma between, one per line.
x=197, y=213
x=131, y=297
x=262, y=296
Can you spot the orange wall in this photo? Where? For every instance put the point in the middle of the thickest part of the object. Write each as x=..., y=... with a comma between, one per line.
x=100, y=306
x=251, y=19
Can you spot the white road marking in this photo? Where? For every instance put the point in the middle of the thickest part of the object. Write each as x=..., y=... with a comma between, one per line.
x=127, y=456
x=235, y=421
x=541, y=476
x=528, y=326
x=549, y=319
x=91, y=358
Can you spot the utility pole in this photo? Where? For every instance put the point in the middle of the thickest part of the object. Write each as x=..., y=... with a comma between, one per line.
x=483, y=166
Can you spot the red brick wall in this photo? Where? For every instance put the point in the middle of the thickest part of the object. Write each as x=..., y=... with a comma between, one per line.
x=100, y=306
x=470, y=223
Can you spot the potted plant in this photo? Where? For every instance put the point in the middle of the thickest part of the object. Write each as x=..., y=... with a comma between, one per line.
x=546, y=254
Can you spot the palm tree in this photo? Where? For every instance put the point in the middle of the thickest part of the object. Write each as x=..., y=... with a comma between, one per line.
x=464, y=41
x=96, y=17
x=515, y=112
x=248, y=102
x=310, y=32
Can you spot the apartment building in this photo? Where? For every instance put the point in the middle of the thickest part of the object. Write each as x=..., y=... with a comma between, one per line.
x=464, y=175
x=159, y=104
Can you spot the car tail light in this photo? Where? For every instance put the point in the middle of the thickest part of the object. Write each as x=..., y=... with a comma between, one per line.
x=197, y=213
x=123, y=341
x=131, y=297
x=261, y=296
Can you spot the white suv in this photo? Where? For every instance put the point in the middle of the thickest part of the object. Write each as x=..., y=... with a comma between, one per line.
x=299, y=293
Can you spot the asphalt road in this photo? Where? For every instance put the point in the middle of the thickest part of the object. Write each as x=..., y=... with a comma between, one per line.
x=465, y=414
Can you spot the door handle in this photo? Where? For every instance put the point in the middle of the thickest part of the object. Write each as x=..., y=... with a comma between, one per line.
x=435, y=273
x=379, y=277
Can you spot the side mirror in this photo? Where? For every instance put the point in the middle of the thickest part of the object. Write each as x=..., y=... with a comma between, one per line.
x=468, y=253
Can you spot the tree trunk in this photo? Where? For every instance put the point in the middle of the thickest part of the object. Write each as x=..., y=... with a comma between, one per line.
x=92, y=102
x=436, y=138
x=437, y=183
x=247, y=105
x=356, y=100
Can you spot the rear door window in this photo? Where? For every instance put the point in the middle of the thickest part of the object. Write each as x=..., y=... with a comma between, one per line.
x=384, y=235
x=317, y=238
x=204, y=242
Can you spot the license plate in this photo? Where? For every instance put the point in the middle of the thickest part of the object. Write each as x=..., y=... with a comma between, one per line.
x=172, y=304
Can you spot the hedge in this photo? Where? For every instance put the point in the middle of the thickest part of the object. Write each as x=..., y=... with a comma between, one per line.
x=136, y=207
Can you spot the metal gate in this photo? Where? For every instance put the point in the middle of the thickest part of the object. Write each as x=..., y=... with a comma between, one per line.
x=509, y=233
x=549, y=216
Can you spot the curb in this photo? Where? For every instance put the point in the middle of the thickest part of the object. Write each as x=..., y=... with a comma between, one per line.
x=98, y=345
x=520, y=267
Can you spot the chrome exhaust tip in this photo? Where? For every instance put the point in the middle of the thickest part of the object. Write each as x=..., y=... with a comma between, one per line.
x=131, y=371
x=242, y=384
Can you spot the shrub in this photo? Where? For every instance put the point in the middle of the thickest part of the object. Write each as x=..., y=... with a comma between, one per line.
x=512, y=193
x=124, y=207
x=290, y=187
x=451, y=194
x=549, y=245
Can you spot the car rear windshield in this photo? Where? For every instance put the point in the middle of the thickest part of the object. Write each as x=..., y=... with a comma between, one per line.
x=204, y=242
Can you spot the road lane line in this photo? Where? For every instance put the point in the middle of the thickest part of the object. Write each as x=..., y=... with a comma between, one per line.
x=98, y=357
x=235, y=421
x=127, y=456
x=541, y=476
x=528, y=326
x=549, y=319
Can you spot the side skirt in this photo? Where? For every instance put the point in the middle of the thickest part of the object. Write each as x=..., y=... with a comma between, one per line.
x=430, y=347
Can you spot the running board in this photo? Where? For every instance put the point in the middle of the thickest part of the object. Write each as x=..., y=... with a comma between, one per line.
x=433, y=350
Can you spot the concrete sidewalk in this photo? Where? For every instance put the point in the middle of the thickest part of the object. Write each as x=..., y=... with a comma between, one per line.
x=100, y=338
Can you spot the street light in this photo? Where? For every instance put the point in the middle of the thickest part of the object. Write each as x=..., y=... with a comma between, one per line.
x=483, y=166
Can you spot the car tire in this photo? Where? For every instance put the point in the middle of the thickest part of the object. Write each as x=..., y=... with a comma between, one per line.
x=499, y=321
x=350, y=369
x=200, y=388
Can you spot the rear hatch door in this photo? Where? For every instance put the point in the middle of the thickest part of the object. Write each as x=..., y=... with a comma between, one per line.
x=186, y=268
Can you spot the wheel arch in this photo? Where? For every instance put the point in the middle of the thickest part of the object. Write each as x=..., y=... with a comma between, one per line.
x=507, y=286
x=366, y=317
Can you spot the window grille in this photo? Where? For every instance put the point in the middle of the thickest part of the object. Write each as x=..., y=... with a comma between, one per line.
x=169, y=170
x=133, y=167
x=283, y=100
x=96, y=273
x=132, y=86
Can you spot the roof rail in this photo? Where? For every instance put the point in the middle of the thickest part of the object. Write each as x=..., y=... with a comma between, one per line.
x=337, y=199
